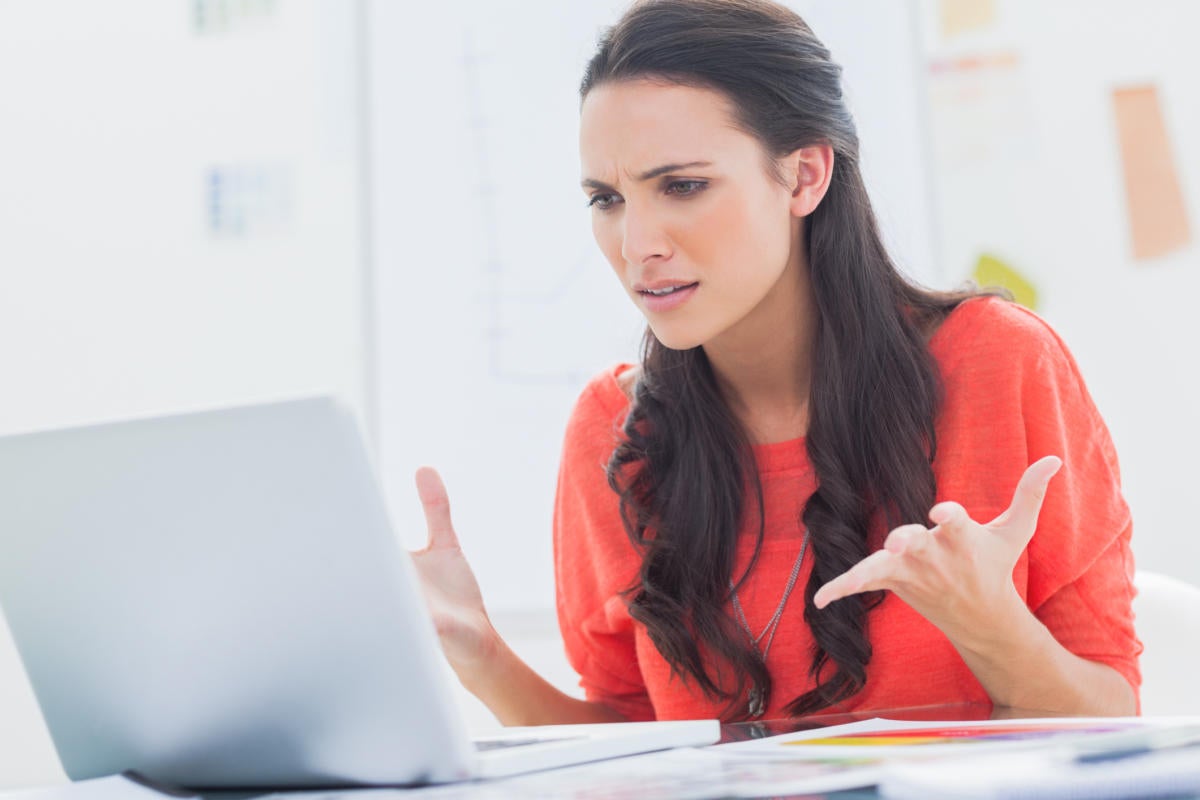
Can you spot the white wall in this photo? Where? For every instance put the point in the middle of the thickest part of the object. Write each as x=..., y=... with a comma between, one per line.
x=123, y=294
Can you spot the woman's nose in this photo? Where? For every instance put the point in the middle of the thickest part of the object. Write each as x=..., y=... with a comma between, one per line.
x=643, y=236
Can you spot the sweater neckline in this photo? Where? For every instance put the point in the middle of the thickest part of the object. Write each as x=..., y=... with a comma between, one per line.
x=782, y=456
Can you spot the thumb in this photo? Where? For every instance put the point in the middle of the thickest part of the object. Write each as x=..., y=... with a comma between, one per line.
x=436, y=503
x=1022, y=513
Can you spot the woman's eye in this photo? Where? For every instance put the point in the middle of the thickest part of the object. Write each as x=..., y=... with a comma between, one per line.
x=686, y=187
x=602, y=201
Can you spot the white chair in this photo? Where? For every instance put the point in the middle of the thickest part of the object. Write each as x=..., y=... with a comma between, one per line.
x=1167, y=617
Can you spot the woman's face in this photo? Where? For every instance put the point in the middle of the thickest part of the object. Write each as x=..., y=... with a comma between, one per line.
x=684, y=208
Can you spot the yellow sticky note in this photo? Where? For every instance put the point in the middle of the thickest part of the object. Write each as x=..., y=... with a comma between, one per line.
x=1158, y=220
x=992, y=271
x=959, y=16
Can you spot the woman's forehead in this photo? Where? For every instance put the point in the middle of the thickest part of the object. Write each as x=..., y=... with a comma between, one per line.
x=634, y=126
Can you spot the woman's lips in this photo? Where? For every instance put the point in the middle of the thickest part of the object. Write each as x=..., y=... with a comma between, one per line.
x=671, y=300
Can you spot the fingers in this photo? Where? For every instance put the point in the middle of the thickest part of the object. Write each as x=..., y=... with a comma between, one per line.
x=877, y=570
x=1022, y=513
x=936, y=570
x=949, y=515
x=865, y=576
x=436, y=503
x=912, y=539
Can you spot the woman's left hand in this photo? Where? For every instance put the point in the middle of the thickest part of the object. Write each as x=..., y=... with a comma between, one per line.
x=957, y=574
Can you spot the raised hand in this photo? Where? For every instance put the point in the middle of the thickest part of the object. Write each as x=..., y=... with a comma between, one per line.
x=449, y=585
x=957, y=574
x=482, y=660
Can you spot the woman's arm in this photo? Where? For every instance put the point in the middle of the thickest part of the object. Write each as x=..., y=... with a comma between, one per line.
x=1022, y=665
x=958, y=575
x=483, y=662
x=519, y=696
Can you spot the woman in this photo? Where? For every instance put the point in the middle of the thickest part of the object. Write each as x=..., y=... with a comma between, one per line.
x=800, y=414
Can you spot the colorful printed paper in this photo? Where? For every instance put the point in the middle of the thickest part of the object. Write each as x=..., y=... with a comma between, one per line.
x=960, y=734
x=876, y=739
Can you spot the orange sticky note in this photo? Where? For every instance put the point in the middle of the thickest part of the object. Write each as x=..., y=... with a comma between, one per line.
x=1158, y=220
x=959, y=16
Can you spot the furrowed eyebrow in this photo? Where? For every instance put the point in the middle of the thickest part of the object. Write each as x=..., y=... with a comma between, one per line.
x=591, y=183
x=667, y=168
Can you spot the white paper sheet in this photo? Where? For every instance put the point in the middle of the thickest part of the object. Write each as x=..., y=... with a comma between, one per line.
x=1042, y=776
x=687, y=774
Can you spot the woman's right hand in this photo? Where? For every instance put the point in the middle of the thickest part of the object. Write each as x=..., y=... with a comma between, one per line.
x=483, y=662
x=449, y=585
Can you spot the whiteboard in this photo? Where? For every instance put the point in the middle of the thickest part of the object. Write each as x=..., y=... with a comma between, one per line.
x=493, y=306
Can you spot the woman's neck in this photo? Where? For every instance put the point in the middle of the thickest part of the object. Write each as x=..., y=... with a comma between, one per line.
x=763, y=365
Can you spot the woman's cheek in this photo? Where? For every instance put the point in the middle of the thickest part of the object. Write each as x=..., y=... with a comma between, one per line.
x=610, y=246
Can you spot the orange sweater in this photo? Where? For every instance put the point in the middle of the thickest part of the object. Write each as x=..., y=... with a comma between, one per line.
x=1013, y=394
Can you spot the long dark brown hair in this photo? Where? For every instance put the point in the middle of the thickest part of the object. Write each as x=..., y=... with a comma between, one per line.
x=684, y=462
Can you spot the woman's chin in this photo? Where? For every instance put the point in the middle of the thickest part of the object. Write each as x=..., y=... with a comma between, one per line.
x=674, y=338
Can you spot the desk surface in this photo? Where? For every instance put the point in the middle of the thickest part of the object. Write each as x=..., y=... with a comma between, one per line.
x=960, y=712
x=536, y=785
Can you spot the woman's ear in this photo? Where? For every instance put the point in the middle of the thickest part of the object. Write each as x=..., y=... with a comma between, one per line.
x=809, y=171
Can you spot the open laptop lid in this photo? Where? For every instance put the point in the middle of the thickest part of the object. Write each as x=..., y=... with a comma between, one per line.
x=216, y=599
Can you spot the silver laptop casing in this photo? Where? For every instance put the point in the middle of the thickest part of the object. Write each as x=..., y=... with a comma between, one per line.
x=217, y=599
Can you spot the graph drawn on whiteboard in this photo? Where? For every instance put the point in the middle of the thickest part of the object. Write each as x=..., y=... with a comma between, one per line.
x=552, y=310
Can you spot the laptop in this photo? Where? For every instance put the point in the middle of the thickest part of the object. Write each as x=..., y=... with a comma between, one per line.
x=217, y=600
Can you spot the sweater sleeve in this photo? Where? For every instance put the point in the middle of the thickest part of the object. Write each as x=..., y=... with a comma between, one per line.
x=1080, y=561
x=594, y=561
x=1014, y=394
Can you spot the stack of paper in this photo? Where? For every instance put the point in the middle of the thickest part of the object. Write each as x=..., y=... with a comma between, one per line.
x=1037, y=759
x=1041, y=776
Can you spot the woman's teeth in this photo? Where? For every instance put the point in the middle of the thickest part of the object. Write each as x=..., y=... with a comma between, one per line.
x=670, y=290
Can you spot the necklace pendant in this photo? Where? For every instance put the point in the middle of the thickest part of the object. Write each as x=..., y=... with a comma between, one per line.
x=757, y=707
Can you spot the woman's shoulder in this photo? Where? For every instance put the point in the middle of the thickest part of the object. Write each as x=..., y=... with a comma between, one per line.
x=992, y=353
x=609, y=391
x=602, y=406
x=627, y=376
x=994, y=330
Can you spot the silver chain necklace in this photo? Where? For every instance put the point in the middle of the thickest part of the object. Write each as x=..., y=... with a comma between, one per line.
x=758, y=702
